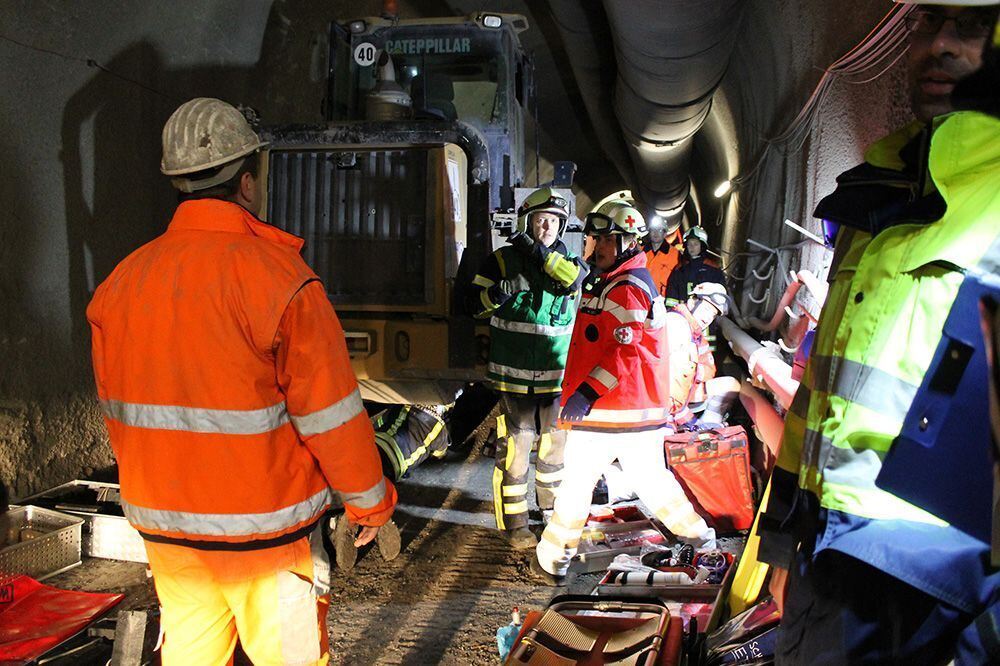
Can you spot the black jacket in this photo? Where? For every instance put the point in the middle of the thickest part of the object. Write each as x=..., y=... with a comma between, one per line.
x=689, y=273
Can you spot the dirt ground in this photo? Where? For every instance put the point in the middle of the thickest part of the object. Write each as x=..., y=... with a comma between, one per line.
x=440, y=602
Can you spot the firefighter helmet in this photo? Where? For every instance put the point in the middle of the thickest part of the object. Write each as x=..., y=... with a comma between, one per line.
x=714, y=293
x=205, y=133
x=697, y=232
x=615, y=217
x=542, y=200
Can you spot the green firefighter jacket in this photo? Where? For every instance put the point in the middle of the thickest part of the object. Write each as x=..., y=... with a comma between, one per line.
x=530, y=330
x=890, y=295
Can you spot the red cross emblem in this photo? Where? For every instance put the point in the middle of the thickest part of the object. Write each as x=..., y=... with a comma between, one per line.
x=630, y=221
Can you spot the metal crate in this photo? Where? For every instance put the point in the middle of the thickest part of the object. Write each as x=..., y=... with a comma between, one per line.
x=104, y=536
x=55, y=548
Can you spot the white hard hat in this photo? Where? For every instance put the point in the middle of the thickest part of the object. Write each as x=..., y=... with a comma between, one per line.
x=714, y=293
x=205, y=133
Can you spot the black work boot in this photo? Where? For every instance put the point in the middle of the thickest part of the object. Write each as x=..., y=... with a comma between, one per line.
x=545, y=577
x=521, y=538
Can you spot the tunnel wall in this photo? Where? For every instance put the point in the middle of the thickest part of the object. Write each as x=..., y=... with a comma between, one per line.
x=80, y=180
x=778, y=60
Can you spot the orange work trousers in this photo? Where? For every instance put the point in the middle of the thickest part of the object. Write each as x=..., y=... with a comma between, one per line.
x=264, y=597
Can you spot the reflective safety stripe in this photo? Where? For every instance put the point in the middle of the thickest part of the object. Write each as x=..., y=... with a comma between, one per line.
x=511, y=453
x=197, y=419
x=487, y=303
x=501, y=426
x=516, y=507
x=515, y=490
x=519, y=373
x=366, y=499
x=533, y=329
x=608, y=380
x=624, y=315
x=484, y=282
x=421, y=450
x=228, y=524
x=497, y=498
x=868, y=386
x=628, y=415
x=331, y=417
x=507, y=387
x=561, y=268
x=548, y=477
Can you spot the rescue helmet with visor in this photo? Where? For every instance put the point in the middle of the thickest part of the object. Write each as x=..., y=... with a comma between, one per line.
x=713, y=293
x=615, y=217
x=542, y=200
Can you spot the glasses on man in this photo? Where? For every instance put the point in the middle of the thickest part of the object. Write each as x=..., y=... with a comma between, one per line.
x=968, y=25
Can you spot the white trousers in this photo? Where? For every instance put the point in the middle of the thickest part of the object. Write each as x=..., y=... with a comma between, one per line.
x=642, y=458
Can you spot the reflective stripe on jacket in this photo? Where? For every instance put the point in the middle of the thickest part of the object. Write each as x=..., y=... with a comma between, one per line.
x=530, y=330
x=226, y=386
x=879, y=330
x=616, y=353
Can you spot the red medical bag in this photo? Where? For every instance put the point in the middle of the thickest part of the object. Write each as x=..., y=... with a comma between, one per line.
x=713, y=467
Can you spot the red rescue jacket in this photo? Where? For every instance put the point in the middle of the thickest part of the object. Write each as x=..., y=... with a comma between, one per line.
x=616, y=352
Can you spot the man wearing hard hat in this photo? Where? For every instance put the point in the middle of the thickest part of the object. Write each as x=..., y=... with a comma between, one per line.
x=867, y=568
x=231, y=408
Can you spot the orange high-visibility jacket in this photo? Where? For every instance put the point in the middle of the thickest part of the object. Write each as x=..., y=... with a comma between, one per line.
x=661, y=264
x=227, y=389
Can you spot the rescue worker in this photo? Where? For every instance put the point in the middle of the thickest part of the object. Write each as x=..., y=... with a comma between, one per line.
x=693, y=384
x=876, y=578
x=694, y=267
x=614, y=400
x=231, y=408
x=529, y=290
x=662, y=257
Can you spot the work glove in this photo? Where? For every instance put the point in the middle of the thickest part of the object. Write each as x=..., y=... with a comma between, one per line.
x=704, y=426
x=577, y=406
x=522, y=242
x=515, y=284
x=507, y=287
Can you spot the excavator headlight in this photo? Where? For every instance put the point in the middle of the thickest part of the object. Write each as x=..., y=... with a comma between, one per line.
x=491, y=20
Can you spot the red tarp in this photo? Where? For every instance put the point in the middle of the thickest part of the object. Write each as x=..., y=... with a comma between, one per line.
x=34, y=618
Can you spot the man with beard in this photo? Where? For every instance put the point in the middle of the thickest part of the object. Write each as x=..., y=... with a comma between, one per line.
x=865, y=575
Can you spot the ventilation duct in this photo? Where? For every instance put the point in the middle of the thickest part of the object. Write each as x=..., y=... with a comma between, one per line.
x=671, y=56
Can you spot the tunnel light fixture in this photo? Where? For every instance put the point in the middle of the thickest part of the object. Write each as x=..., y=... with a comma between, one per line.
x=492, y=20
x=723, y=188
